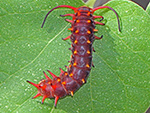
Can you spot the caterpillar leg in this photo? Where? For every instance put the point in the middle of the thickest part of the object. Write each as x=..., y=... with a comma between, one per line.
x=99, y=17
x=100, y=20
x=93, y=65
x=66, y=66
x=71, y=21
x=72, y=15
x=56, y=100
x=67, y=15
x=66, y=38
x=37, y=95
x=93, y=49
x=96, y=37
x=99, y=23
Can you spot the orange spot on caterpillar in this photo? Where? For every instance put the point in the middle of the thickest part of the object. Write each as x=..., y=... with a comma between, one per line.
x=88, y=21
x=87, y=65
x=88, y=13
x=88, y=52
x=58, y=80
x=71, y=75
x=77, y=21
x=77, y=31
x=71, y=93
x=63, y=83
x=88, y=41
x=66, y=73
x=83, y=81
x=75, y=52
x=75, y=42
x=70, y=66
x=49, y=82
x=74, y=64
x=89, y=32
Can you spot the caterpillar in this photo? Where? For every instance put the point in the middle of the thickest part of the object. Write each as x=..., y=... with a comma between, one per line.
x=82, y=38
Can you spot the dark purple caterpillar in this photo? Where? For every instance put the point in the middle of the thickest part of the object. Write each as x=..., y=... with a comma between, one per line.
x=82, y=38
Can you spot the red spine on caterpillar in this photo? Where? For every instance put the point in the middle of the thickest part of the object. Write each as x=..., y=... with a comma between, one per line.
x=82, y=38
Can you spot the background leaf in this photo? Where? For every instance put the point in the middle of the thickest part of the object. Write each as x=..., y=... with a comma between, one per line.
x=148, y=9
x=90, y=3
x=118, y=83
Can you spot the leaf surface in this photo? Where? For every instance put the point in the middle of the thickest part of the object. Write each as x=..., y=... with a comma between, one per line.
x=118, y=83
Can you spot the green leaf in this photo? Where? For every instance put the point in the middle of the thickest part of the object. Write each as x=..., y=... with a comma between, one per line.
x=148, y=9
x=90, y=3
x=118, y=83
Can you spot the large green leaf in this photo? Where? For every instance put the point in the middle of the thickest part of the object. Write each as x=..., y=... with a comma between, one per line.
x=148, y=9
x=120, y=81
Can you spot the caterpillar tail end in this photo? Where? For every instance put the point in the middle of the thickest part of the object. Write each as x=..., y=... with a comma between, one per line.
x=44, y=88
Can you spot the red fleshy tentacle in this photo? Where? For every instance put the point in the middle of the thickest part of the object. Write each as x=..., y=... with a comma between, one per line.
x=66, y=6
x=44, y=97
x=36, y=85
x=53, y=75
x=37, y=95
x=46, y=76
x=101, y=7
x=56, y=100
x=61, y=72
